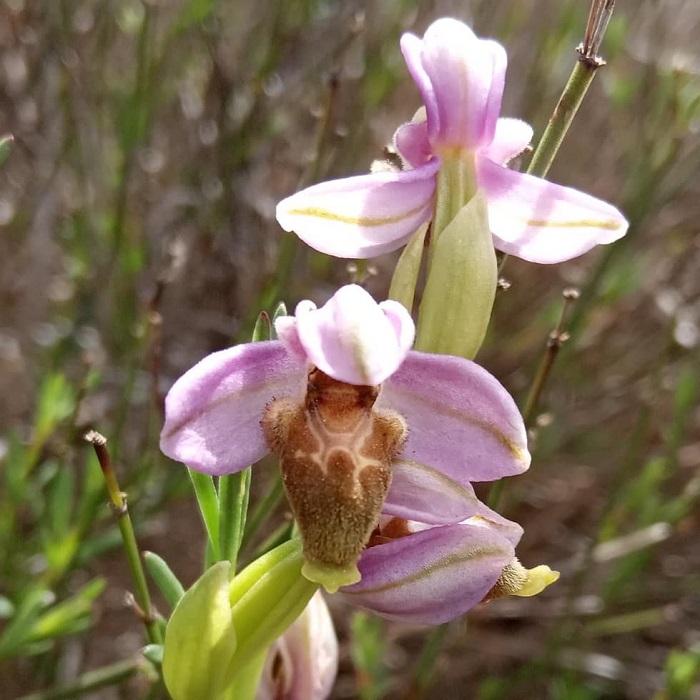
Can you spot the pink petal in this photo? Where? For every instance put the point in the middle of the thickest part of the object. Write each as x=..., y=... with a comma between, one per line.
x=467, y=76
x=542, y=222
x=286, y=329
x=511, y=138
x=213, y=412
x=431, y=576
x=420, y=493
x=363, y=216
x=412, y=49
x=411, y=141
x=353, y=339
x=461, y=420
x=506, y=528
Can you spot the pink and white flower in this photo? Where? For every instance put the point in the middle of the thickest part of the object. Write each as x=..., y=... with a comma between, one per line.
x=463, y=426
x=461, y=80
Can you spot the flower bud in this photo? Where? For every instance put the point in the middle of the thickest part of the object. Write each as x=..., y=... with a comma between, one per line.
x=266, y=597
x=200, y=639
x=219, y=629
x=461, y=285
x=302, y=664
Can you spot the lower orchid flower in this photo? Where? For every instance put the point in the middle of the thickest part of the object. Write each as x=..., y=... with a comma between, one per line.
x=346, y=405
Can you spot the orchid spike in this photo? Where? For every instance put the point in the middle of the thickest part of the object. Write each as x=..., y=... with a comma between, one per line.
x=461, y=80
x=332, y=398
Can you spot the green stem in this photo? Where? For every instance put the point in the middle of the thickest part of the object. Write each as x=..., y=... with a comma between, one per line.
x=121, y=509
x=234, y=491
x=425, y=667
x=554, y=343
x=90, y=681
x=580, y=80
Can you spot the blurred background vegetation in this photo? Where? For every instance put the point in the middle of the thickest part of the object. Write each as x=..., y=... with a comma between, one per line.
x=152, y=141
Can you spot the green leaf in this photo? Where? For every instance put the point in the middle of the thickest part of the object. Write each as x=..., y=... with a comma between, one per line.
x=162, y=575
x=263, y=327
x=154, y=653
x=68, y=617
x=60, y=503
x=208, y=503
x=280, y=310
x=15, y=635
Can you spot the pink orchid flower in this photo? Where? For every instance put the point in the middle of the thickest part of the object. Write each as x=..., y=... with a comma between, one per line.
x=462, y=422
x=463, y=426
x=461, y=80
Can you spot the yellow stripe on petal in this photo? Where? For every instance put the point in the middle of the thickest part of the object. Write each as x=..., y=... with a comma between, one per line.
x=607, y=225
x=356, y=220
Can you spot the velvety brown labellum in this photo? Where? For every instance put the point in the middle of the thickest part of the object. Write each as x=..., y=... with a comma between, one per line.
x=335, y=451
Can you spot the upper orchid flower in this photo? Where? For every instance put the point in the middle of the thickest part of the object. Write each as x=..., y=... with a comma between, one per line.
x=345, y=403
x=458, y=147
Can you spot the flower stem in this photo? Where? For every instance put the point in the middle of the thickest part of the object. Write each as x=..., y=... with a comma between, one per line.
x=91, y=681
x=564, y=113
x=580, y=80
x=119, y=506
x=556, y=339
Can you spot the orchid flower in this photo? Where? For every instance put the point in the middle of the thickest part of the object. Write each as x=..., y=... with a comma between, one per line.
x=347, y=405
x=461, y=146
x=302, y=664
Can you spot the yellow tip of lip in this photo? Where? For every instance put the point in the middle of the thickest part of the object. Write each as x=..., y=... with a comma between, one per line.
x=331, y=577
x=537, y=580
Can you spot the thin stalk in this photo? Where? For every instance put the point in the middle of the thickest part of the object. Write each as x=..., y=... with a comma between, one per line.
x=580, y=80
x=424, y=669
x=556, y=339
x=119, y=506
x=91, y=681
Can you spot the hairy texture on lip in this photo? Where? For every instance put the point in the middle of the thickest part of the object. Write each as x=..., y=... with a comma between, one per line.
x=336, y=453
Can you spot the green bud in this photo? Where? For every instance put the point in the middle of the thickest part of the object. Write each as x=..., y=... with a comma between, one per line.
x=461, y=285
x=219, y=632
x=200, y=639
x=266, y=597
